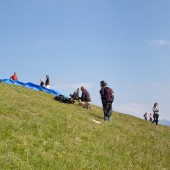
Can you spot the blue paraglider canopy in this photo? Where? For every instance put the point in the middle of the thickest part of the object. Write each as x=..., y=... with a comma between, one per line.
x=33, y=87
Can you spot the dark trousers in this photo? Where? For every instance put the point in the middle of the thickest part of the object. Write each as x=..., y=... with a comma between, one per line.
x=107, y=109
x=155, y=118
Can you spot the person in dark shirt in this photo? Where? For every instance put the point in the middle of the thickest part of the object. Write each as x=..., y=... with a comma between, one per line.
x=41, y=82
x=85, y=100
x=47, y=82
x=107, y=98
x=145, y=116
x=75, y=95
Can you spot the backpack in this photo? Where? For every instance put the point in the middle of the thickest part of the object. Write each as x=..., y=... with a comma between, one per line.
x=63, y=99
x=109, y=94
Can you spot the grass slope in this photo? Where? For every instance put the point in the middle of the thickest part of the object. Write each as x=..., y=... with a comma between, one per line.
x=37, y=132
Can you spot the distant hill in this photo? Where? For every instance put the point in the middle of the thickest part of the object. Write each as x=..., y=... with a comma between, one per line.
x=164, y=122
x=37, y=132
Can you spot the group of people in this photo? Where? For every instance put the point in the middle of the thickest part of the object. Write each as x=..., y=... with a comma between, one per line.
x=47, y=82
x=106, y=93
x=84, y=100
x=14, y=77
x=107, y=98
x=153, y=117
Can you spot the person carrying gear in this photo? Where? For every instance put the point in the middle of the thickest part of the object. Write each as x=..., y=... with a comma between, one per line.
x=107, y=98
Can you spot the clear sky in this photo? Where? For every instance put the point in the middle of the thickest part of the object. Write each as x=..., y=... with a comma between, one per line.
x=124, y=42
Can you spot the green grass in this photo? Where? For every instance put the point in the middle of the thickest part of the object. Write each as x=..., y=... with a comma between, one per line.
x=37, y=132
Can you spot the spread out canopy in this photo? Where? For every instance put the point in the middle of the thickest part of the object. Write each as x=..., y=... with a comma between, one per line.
x=32, y=86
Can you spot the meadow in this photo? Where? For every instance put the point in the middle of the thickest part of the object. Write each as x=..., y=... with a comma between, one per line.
x=37, y=132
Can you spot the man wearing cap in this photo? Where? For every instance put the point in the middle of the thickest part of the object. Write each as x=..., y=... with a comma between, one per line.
x=107, y=98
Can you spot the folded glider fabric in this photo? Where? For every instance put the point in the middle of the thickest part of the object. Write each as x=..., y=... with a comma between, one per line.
x=32, y=86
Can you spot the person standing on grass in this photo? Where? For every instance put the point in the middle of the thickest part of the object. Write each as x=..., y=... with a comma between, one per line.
x=107, y=98
x=14, y=77
x=85, y=99
x=47, y=82
x=145, y=116
x=150, y=117
x=155, y=113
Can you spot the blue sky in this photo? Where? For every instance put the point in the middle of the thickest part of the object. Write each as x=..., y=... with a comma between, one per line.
x=124, y=42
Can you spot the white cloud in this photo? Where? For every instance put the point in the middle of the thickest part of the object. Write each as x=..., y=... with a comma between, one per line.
x=159, y=42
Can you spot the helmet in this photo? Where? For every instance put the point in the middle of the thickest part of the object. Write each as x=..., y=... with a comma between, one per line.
x=103, y=83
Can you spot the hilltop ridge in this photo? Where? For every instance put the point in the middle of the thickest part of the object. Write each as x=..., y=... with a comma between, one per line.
x=38, y=132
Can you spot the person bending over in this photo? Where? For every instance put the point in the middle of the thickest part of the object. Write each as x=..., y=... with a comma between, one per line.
x=85, y=100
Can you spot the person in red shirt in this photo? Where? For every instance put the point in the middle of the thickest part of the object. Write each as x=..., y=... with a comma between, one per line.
x=14, y=76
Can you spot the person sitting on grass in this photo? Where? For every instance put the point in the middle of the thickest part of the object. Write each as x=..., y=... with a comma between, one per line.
x=75, y=95
x=14, y=77
x=41, y=82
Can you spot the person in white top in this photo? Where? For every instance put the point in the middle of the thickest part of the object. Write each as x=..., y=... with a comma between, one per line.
x=155, y=113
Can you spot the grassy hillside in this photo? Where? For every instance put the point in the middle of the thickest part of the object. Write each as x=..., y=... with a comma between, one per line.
x=37, y=132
